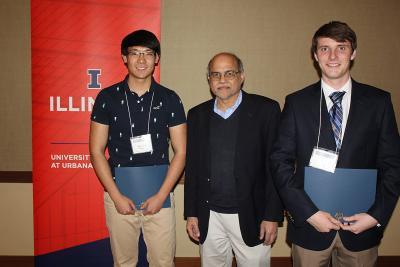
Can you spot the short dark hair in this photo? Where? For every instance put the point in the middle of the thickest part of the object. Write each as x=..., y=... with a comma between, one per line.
x=235, y=57
x=336, y=30
x=140, y=38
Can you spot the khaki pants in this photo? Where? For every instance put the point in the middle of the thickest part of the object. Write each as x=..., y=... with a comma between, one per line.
x=341, y=257
x=158, y=233
x=224, y=238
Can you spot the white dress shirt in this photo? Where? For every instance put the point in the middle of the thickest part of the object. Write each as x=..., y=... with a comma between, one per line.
x=328, y=90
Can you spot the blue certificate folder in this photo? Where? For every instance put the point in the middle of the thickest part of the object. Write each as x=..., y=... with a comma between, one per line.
x=140, y=183
x=347, y=191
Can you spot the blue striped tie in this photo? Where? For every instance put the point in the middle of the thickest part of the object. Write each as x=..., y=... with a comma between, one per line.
x=336, y=116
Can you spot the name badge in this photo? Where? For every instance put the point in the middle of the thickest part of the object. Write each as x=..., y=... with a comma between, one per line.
x=141, y=144
x=324, y=159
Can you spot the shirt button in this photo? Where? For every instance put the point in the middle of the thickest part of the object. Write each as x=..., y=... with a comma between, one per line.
x=208, y=179
x=207, y=201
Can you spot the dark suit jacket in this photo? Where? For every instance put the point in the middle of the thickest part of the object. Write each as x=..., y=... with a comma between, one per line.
x=257, y=197
x=371, y=141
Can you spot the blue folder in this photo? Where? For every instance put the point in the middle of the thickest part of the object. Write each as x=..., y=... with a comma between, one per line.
x=140, y=183
x=346, y=192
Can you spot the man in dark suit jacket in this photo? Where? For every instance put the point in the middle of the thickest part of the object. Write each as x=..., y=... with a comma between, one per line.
x=230, y=200
x=367, y=139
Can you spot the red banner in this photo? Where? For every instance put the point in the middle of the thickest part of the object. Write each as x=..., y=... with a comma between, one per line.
x=75, y=53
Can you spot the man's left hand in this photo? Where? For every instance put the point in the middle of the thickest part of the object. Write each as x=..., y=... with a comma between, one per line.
x=358, y=223
x=268, y=232
x=152, y=205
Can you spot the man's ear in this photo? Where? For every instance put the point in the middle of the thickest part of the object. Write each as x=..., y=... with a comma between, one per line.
x=124, y=59
x=353, y=56
x=315, y=57
x=242, y=77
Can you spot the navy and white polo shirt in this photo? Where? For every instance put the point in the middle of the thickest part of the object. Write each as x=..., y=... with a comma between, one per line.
x=110, y=108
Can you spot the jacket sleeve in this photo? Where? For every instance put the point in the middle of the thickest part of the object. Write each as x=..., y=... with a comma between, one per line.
x=273, y=208
x=284, y=167
x=190, y=187
x=388, y=165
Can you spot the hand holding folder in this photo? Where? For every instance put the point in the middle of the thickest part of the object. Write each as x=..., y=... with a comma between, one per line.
x=359, y=223
x=124, y=205
x=152, y=205
x=323, y=222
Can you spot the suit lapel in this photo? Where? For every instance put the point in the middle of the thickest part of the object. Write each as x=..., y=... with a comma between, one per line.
x=326, y=140
x=246, y=114
x=356, y=113
x=205, y=130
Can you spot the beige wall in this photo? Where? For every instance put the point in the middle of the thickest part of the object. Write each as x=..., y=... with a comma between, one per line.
x=16, y=200
x=271, y=37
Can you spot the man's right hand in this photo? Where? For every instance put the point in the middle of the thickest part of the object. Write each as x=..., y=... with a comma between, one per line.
x=124, y=205
x=323, y=222
x=192, y=228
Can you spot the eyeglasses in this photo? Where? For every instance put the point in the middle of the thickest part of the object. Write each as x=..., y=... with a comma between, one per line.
x=228, y=75
x=147, y=54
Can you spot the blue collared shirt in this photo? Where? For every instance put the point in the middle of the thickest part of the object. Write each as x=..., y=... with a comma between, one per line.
x=110, y=108
x=229, y=111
